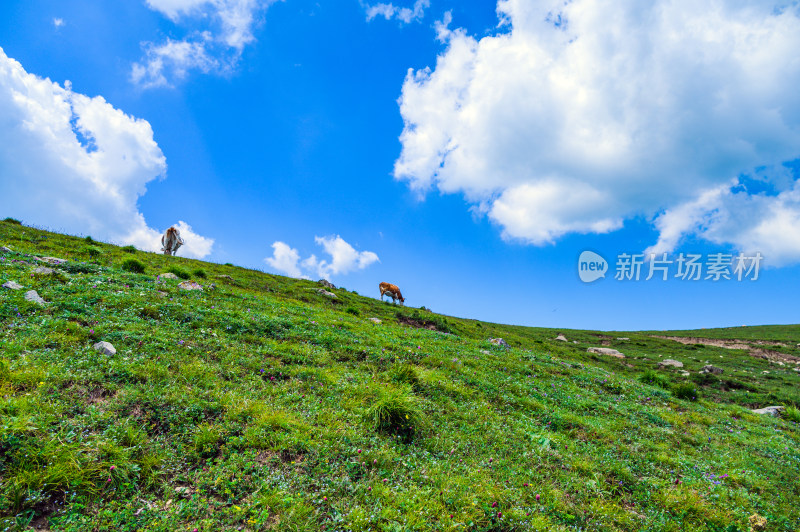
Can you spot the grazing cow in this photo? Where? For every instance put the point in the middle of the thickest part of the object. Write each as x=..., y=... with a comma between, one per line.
x=392, y=291
x=171, y=241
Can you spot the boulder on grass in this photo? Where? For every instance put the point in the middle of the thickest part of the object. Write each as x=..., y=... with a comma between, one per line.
x=605, y=351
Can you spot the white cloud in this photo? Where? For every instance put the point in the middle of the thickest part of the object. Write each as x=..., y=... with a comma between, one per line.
x=58, y=22
x=284, y=259
x=219, y=30
x=344, y=259
x=75, y=163
x=580, y=115
x=403, y=14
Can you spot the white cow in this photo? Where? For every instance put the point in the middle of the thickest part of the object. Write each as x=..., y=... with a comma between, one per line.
x=171, y=241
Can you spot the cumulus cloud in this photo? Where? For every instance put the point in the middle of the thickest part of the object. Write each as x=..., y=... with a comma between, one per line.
x=218, y=30
x=577, y=116
x=344, y=259
x=403, y=14
x=58, y=22
x=75, y=163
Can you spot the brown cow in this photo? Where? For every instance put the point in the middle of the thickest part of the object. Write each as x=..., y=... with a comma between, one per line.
x=171, y=241
x=392, y=291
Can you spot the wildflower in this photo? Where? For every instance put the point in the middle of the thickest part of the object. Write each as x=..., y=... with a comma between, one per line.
x=537, y=497
x=499, y=514
x=494, y=505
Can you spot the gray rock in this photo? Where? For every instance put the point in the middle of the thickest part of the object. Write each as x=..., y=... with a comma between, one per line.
x=168, y=275
x=33, y=295
x=623, y=339
x=561, y=338
x=684, y=373
x=769, y=410
x=4, y=249
x=574, y=341
x=52, y=260
x=12, y=285
x=105, y=347
x=375, y=320
x=712, y=369
x=498, y=342
x=228, y=277
x=327, y=284
x=325, y=293
x=605, y=351
x=189, y=285
x=668, y=362
x=161, y=294
x=485, y=352
x=41, y=270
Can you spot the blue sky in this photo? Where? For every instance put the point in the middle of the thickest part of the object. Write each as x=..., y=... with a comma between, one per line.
x=467, y=152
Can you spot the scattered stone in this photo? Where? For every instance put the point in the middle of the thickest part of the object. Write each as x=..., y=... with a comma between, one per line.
x=668, y=362
x=684, y=373
x=712, y=369
x=184, y=491
x=605, y=351
x=757, y=523
x=4, y=249
x=161, y=294
x=769, y=410
x=498, y=342
x=51, y=260
x=561, y=338
x=327, y=284
x=228, y=277
x=765, y=372
x=41, y=270
x=375, y=320
x=623, y=339
x=574, y=341
x=325, y=293
x=12, y=285
x=189, y=285
x=33, y=295
x=168, y=275
x=105, y=347
x=485, y=352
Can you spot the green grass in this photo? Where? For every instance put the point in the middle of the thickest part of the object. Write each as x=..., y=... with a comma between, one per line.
x=133, y=266
x=262, y=405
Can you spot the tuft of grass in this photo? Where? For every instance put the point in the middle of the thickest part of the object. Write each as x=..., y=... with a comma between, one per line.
x=183, y=274
x=93, y=251
x=685, y=390
x=791, y=413
x=12, y=221
x=352, y=310
x=397, y=412
x=132, y=265
x=199, y=272
x=654, y=379
x=404, y=373
x=128, y=249
x=89, y=240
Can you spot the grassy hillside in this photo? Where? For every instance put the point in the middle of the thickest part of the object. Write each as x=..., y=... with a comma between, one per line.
x=261, y=404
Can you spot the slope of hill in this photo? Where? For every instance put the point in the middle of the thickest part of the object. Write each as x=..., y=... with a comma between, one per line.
x=261, y=404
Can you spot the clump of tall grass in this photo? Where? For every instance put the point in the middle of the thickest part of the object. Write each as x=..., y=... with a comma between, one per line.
x=685, y=390
x=133, y=266
x=397, y=412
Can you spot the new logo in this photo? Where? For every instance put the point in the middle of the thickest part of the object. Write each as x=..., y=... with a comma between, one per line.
x=591, y=266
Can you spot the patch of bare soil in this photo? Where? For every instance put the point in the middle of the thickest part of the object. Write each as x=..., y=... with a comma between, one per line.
x=418, y=324
x=749, y=346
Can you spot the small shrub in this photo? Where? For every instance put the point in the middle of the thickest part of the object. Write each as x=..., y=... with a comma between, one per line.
x=133, y=266
x=228, y=264
x=89, y=240
x=128, y=249
x=685, y=390
x=352, y=310
x=12, y=221
x=404, y=373
x=78, y=267
x=199, y=273
x=654, y=379
x=396, y=412
x=792, y=413
x=207, y=440
x=183, y=274
x=93, y=251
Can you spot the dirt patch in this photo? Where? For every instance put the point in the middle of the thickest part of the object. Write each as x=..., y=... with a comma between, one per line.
x=749, y=346
x=418, y=324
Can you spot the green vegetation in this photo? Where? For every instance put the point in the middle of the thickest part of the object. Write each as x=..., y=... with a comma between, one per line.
x=199, y=273
x=132, y=265
x=260, y=405
x=128, y=249
x=180, y=272
x=12, y=221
